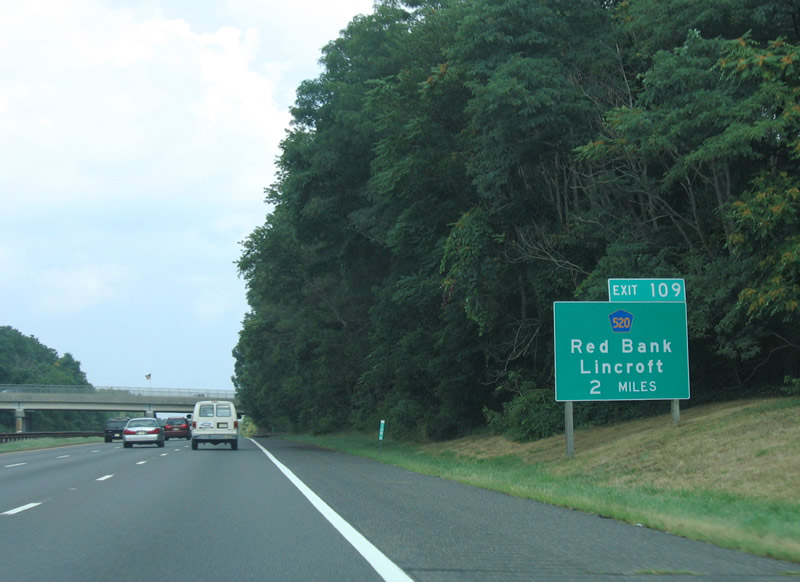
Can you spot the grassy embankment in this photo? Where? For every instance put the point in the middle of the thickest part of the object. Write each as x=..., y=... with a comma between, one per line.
x=33, y=444
x=728, y=474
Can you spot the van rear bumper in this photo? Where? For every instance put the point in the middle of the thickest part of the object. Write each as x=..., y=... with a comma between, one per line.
x=214, y=438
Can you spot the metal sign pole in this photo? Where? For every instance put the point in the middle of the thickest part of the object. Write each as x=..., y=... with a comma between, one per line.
x=569, y=429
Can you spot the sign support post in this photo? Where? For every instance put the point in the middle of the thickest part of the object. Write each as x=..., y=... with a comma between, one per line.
x=569, y=428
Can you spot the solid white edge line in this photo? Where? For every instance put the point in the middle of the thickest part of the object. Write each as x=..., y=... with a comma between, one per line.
x=20, y=508
x=387, y=569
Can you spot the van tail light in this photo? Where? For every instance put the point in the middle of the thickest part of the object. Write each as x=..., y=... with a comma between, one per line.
x=194, y=424
x=235, y=424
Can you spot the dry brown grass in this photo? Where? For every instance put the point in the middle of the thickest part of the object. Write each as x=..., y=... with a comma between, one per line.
x=749, y=447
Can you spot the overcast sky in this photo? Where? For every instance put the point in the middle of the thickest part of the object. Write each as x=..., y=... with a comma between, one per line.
x=136, y=138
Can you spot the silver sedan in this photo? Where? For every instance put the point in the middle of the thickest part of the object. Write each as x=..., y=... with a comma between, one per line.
x=142, y=431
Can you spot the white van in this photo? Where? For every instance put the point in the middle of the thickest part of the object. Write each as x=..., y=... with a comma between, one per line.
x=215, y=422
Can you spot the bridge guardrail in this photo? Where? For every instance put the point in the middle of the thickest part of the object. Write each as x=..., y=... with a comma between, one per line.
x=11, y=389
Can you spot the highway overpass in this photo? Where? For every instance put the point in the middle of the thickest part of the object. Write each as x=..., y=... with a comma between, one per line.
x=24, y=398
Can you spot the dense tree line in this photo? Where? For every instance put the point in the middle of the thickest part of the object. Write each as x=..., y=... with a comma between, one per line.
x=25, y=360
x=460, y=165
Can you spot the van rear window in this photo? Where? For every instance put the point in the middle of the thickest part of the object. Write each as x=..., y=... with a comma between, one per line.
x=207, y=410
x=223, y=410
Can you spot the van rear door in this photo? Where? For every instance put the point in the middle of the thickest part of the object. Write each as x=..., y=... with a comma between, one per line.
x=215, y=422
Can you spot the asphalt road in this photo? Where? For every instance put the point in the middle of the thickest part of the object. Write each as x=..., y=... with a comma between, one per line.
x=277, y=510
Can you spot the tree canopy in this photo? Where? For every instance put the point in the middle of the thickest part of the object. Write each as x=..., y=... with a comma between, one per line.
x=459, y=165
x=25, y=360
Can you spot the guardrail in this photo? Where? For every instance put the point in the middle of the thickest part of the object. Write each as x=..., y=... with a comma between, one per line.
x=7, y=437
x=11, y=389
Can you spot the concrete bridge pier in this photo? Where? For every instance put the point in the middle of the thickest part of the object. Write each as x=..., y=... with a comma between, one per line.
x=19, y=416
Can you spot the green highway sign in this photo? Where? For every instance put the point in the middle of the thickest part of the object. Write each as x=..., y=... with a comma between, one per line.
x=621, y=350
x=646, y=290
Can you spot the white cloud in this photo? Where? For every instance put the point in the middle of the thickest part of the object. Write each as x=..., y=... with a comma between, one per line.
x=61, y=290
x=103, y=88
x=136, y=140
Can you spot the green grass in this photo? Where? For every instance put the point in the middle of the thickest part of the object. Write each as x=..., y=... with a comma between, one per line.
x=707, y=479
x=33, y=444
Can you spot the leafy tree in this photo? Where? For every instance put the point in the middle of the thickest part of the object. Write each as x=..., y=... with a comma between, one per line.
x=695, y=140
x=538, y=75
x=458, y=166
x=767, y=213
x=25, y=360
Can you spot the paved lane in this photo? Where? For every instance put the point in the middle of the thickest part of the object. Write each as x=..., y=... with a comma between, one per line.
x=291, y=512
x=211, y=514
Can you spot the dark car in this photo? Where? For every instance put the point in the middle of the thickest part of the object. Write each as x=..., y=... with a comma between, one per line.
x=114, y=428
x=177, y=428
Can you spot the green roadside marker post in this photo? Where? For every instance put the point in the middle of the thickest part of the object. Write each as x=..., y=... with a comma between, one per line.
x=380, y=435
x=632, y=350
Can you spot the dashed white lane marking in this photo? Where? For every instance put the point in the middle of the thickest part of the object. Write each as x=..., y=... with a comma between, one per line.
x=16, y=465
x=62, y=456
x=104, y=477
x=20, y=508
x=385, y=568
x=141, y=462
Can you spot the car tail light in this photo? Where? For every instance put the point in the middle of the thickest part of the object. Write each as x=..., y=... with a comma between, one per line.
x=167, y=426
x=154, y=431
x=128, y=431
